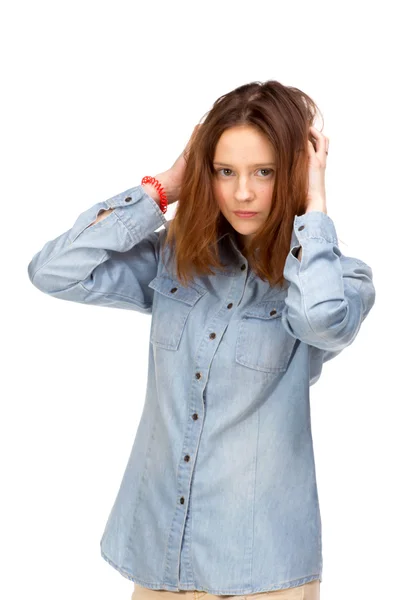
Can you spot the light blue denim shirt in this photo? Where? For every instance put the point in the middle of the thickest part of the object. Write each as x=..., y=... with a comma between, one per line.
x=219, y=492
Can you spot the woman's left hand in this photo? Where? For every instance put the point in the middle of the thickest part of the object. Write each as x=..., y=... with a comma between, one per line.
x=316, y=171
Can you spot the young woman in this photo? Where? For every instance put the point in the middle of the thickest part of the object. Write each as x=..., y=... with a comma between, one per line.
x=219, y=495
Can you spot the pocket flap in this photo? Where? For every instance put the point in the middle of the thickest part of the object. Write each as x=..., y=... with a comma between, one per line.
x=268, y=309
x=174, y=289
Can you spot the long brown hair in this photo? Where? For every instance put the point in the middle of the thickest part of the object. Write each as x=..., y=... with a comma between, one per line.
x=284, y=114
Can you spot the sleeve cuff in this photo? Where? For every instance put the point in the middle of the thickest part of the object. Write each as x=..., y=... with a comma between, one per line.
x=314, y=224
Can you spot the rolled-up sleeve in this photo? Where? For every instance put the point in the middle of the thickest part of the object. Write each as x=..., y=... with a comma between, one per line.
x=329, y=294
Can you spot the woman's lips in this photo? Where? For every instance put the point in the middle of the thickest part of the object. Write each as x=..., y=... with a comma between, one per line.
x=245, y=214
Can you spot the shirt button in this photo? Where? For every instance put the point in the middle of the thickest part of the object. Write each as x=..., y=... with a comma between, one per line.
x=187, y=458
x=230, y=305
x=195, y=416
x=173, y=290
x=182, y=500
x=273, y=312
x=198, y=375
x=212, y=336
x=301, y=228
x=243, y=267
x=128, y=199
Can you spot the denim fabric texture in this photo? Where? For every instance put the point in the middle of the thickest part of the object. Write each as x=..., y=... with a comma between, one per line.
x=219, y=492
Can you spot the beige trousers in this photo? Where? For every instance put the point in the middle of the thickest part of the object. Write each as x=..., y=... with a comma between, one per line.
x=307, y=591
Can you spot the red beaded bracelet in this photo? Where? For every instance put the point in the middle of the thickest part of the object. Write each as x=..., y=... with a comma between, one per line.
x=162, y=194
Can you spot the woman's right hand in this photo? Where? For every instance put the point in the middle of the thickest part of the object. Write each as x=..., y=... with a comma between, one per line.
x=176, y=172
x=171, y=180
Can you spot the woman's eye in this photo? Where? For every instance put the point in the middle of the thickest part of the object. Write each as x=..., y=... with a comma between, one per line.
x=265, y=170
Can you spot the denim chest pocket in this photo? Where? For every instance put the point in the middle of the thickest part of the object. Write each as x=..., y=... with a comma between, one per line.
x=171, y=308
x=262, y=343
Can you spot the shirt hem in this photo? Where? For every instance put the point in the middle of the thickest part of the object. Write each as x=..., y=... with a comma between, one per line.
x=239, y=592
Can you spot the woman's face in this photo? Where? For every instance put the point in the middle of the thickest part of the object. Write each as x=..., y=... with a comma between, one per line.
x=244, y=175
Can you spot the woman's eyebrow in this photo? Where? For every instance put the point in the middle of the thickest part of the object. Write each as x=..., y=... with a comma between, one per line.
x=256, y=165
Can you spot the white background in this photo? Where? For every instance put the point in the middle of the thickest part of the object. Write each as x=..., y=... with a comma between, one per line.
x=94, y=96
